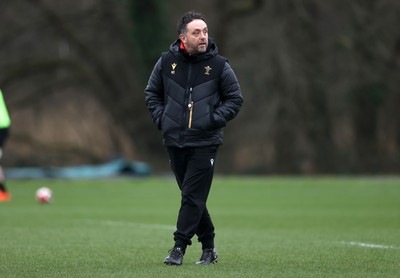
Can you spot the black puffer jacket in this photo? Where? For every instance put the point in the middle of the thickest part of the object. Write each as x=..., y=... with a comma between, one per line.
x=192, y=97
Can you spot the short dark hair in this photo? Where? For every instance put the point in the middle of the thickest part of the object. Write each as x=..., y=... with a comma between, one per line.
x=186, y=19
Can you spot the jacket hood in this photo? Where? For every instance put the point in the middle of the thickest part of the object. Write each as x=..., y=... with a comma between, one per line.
x=212, y=50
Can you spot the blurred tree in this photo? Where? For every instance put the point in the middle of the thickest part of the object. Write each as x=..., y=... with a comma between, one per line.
x=150, y=31
x=64, y=54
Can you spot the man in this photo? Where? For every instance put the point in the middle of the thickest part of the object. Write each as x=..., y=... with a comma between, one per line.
x=4, y=127
x=191, y=94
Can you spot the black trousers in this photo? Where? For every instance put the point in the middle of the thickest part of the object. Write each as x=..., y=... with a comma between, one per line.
x=194, y=171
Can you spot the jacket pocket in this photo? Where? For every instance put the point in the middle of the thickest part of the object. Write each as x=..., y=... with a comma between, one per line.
x=215, y=119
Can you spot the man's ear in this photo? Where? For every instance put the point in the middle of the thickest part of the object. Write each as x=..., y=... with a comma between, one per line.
x=182, y=37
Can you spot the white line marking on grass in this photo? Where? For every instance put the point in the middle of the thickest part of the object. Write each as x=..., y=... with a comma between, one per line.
x=138, y=225
x=133, y=224
x=369, y=245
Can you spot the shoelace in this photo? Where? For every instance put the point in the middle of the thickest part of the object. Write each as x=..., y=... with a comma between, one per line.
x=206, y=254
x=175, y=252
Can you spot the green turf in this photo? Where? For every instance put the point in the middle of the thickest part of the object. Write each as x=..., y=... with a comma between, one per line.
x=266, y=227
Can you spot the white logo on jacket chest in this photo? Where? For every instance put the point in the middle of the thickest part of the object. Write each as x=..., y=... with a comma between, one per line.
x=207, y=70
x=173, y=66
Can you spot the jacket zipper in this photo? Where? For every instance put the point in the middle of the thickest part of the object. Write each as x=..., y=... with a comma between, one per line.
x=190, y=106
x=181, y=135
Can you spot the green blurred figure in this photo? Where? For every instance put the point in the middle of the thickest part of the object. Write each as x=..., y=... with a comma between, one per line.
x=5, y=123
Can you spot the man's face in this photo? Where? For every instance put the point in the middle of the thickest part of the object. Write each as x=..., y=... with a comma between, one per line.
x=196, y=38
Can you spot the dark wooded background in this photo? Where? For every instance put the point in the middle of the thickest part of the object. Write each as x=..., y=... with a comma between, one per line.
x=320, y=81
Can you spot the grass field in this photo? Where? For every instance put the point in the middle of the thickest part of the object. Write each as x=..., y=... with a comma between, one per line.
x=266, y=227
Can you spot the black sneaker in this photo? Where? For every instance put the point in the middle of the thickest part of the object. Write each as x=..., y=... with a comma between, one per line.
x=209, y=256
x=175, y=256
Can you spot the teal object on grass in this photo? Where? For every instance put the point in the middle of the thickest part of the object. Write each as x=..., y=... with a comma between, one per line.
x=112, y=168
